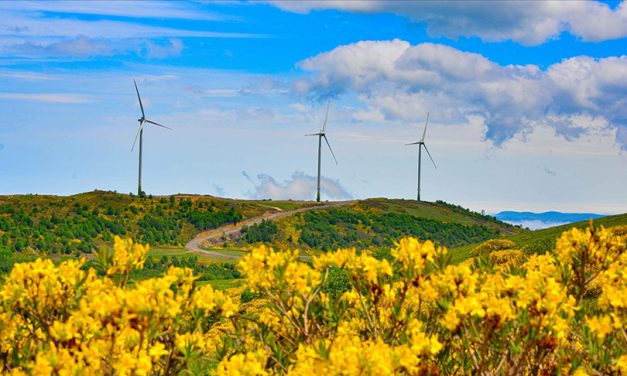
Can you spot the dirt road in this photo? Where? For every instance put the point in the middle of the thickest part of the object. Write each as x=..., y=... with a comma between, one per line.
x=216, y=236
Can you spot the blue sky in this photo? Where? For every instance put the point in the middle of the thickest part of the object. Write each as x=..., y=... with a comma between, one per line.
x=527, y=99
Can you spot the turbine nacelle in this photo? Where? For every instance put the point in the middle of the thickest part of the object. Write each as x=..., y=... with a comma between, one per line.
x=323, y=135
x=422, y=143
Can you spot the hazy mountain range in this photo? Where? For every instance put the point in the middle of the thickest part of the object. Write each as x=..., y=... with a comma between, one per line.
x=535, y=221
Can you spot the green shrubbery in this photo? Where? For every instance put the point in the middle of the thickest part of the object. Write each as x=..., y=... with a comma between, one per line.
x=338, y=228
x=77, y=225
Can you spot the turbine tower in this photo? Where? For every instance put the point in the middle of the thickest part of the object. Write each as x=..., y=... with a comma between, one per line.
x=321, y=135
x=140, y=134
x=422, y=144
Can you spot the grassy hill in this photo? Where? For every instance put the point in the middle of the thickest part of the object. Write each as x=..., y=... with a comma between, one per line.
x=542, y=241
x=377, y=223
x=80, y=223
x=71, y=226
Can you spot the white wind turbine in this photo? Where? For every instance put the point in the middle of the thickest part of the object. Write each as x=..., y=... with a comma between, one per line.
x=320, y=135
x=422, y=144
x=140, y=134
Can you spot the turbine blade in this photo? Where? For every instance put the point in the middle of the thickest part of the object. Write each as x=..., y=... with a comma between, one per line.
x=152, y=122
x=326, y=117
x=424, y=133
x=314, y=134
x=329, y=145
x=413, y=143
x=141, y=126
x=139, y=98
x=432, y=161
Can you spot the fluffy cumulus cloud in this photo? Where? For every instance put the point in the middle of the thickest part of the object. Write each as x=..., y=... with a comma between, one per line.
x=399, y=81
x=299, y=187
x=526, y=22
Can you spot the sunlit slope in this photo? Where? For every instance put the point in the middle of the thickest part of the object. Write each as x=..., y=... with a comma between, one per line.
x=377, y=223
x=541, y=241
x=439, y=211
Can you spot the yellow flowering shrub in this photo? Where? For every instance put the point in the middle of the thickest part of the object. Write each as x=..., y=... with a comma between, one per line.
x=493, y=245
x=65, y=320
x=409, y=312
x=414, y=313
x=619, y=230
x=507, y=258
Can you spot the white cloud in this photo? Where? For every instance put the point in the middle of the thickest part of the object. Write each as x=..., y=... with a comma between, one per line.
x=536, y=225
x=526, y=22
x=173, y=47
x=299, y=187
x=80, y=46
x=398, y=81
x=47, y=97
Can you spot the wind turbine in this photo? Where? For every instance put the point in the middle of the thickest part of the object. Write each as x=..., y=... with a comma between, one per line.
x=140, y=134
x=320, y=135
x=422, y=144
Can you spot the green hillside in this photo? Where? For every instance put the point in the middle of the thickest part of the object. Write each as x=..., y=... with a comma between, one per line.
x=377, y=223
x=542, y=241
x=71, y=226
x=80, y=223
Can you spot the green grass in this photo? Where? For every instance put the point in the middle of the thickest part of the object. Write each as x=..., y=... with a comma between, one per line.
x=202, y=257
x=542, y=241
x=228, y=251
x=286, y=205
x=180, y=253
x=222, y=284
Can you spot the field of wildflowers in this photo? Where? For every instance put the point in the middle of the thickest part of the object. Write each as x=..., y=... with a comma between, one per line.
x=406, y=312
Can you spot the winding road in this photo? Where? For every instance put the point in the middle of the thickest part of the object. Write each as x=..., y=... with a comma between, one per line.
x=216, y=236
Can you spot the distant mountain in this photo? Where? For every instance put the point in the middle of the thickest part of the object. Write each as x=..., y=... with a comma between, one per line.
x=543, y=220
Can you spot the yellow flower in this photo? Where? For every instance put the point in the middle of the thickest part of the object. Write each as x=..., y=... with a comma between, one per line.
x=127, y=256
x=600, y=326
x=157, y=350
x=251, y=363
x=621, y=364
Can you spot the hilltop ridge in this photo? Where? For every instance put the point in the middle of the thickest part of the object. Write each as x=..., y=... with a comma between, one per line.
x=80, y=223
x=376, y=223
